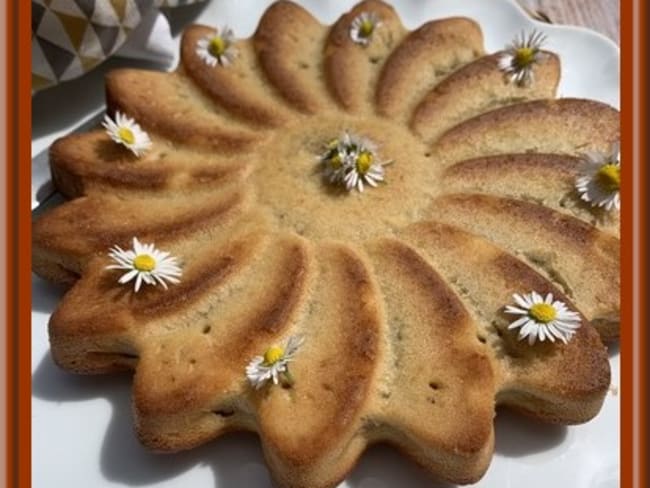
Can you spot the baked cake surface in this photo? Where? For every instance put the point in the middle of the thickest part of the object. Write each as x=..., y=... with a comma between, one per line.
x=399, y=292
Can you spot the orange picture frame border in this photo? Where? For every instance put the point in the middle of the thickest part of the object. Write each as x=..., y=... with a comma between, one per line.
x=634, y=338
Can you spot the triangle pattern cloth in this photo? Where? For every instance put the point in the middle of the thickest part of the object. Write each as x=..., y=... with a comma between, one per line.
x=71, y=37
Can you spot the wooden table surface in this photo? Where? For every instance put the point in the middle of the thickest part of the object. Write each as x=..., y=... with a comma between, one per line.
x=599, y=15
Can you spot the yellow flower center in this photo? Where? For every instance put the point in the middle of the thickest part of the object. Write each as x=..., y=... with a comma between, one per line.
x=126, y=135
x=144, y=262
x=366, y=28
x=609, y=177
x=336, y=161
x=273, y=355
x=525, y=56
x=217, y=46
x=364, y=161
x=542, y=312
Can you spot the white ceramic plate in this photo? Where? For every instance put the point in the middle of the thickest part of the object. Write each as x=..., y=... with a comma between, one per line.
x=82, y=426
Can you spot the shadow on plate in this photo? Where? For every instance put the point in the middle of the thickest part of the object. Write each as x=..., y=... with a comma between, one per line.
x=613, y=349
x=45, y=296
x=237, y=459
x=518, y=436
x=183, y=15
x=383, y=466
x=87, y=100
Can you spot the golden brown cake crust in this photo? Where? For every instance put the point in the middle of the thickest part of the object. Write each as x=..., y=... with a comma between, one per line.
x=441, y=45
x=399, y=292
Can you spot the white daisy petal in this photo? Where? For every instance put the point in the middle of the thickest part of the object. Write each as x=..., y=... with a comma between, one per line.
x=518, y=323
x=515, y=310
x=128, y=276
x=522, y=301
x=294, y=343
x=531, y=339
x=555, y=332
x=138, y=281
x=529, y=328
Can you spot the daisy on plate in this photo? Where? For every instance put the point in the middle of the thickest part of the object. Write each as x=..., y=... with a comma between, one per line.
x=363, y=27
x=600, y=179
x=218, y=48
x=124, y=130
x=543, y=318
x=520, y=57
x=145, y=264
x=273, y=364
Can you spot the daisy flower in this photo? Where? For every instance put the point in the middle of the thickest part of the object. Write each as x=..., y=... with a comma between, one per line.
x=363, y=26
x=334, y=160
x=363, y=165
x=520, y=57
x=146, y=264
x=273, y=364
x=124, y=130
x=543, y=318
x=352, y=162
x=217, y=48
x=600, y=180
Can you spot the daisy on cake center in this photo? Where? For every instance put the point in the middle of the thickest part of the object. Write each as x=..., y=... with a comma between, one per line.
x=364, y=161
x=352, y=161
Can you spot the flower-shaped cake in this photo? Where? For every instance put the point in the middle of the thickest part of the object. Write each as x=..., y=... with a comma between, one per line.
x=364, y=234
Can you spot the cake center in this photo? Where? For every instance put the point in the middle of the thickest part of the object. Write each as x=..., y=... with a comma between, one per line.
x=345, y=179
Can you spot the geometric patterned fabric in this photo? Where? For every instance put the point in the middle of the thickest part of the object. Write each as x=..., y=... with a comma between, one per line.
x=71, y=37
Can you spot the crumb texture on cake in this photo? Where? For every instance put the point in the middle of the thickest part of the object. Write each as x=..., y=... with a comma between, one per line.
x=398, y=292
